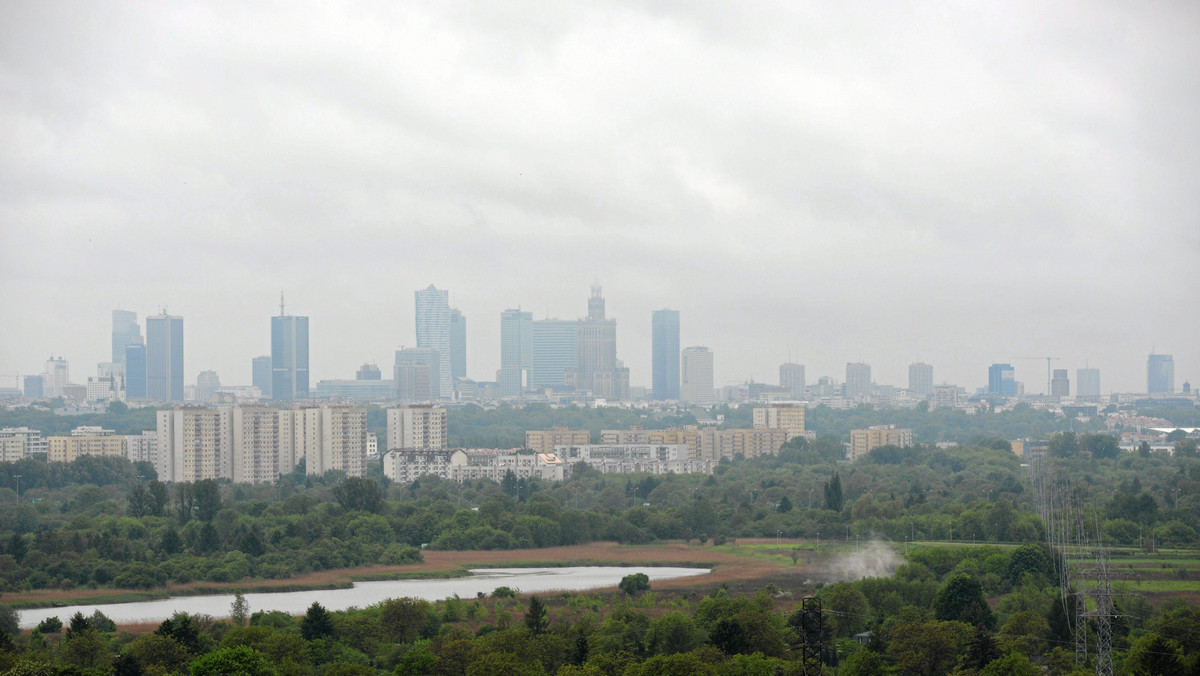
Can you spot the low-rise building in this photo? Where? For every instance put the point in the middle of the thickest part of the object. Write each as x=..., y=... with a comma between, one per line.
x=544, y=441
x=689, y=435
x=33, y=440
x=88, y=440
x=862, y=441
x=753, y=443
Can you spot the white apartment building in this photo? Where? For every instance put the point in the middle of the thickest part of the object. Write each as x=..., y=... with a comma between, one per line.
x=416, y=426
x=142, y=447
x=696, y=373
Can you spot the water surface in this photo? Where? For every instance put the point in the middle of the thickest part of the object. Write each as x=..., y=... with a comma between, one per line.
x=362, y=594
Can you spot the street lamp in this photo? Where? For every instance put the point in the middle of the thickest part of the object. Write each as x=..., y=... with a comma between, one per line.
x=18, y=478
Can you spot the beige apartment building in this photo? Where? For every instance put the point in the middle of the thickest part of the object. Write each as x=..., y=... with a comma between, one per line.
x=717, y=444
x=544, y=441
x=787, y=417
x=689, y=435
x=862, y=441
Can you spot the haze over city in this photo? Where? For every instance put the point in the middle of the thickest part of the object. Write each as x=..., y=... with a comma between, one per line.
x=947, y=184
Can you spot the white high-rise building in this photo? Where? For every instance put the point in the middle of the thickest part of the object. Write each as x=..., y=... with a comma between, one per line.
x=342, y=435
x=416, y=426
x=858, y=380
x=696, y=372
x=433, y=331
x=920, y=379
x=256, y=444
x=1087, y=383
x=791, y=376
x=195, y=443
x=57, y=377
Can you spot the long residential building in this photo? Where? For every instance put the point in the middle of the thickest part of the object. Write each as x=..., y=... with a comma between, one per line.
x=863, y=441
x=753, y=443
x=688, y=435
x=255, y=444
x=544, y=441
x=85, y=441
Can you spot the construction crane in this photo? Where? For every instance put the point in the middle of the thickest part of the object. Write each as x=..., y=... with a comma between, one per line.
x=1048, y=360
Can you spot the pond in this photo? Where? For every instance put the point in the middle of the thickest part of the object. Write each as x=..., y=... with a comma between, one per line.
x=362, y=594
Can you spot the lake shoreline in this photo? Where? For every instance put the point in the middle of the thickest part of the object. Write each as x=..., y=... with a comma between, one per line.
x=438, y=564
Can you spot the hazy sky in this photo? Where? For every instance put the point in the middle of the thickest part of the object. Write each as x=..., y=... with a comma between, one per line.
x=882, y=182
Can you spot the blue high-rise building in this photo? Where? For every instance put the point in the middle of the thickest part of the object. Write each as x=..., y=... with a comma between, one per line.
x=1160, y=374
x=289, y=357
x=164, y=358
x=261, y=374
x=664, y=357
x=1002, y=380
x=125, y=332
x=516, y=352
x=135, y=371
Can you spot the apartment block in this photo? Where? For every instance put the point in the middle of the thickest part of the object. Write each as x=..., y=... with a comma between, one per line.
x=753, y=443
x=544, y=441
x=863, y=441
x=788, y=417
x=417, y=426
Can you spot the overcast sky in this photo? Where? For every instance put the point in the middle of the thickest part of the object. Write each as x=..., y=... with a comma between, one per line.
x=882, y=182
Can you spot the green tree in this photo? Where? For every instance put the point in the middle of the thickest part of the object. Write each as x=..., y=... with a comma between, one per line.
x=1185, y=448
x=404, y=618
x=236, y=661
x=359, y=494
x=138, y=501
x=785, y=505
x=316, y=623
x=239, y=611
x=981, y=649
x=925, y=648
x=1012, y=664
x=674, y=633
x=536, y=620
x=10, y=621
x=85, y=649
x=208, y=499
x=961, y=600
x=833, y=493
x=1062, y=445
x=634, y=583
x=1153, y=655
x=158, y=498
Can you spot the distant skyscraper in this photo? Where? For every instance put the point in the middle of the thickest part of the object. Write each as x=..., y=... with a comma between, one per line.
x=164, y=358
x=34, y=387
x=1160, y=374
x=418, y=374
x=368, y=372
x=262, y=374
x=791, y=376
x=597, y=370
x=433, y=331
x=858, y=380
x=135, y=371
x=207, y=384
x=57, y=377
x=664, y=356
x=125, y=332
x=458, y=344
x=555, y=351
x=1060, y=384
x=1002, y=380
x=289, y=356
x=1087, y=383
x=516, y=352
x=697, y=375
x=920, y=379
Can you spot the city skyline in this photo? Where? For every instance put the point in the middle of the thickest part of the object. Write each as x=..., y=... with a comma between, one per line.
x=957, y=186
